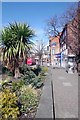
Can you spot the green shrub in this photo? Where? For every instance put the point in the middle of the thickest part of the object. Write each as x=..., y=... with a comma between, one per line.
x=16, y=87
x=5, y=84
x=28, y=99
x=29, y=77
x=5, y=70
x=27, y=80
x=37, y=82
x=28, y=74
x=8, y=105
x=43, y=71
x=24, y=69
x=37, y=70
x=9, y=73
x=40, y=70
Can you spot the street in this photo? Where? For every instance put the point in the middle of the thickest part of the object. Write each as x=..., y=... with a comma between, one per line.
x=65, y=88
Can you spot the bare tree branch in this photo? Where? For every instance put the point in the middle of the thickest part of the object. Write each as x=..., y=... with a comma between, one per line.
x=39, y=49
x=53, y=26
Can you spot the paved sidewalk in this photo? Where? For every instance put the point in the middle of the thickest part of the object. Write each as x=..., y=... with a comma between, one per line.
x=45, y=109
x=65, y=88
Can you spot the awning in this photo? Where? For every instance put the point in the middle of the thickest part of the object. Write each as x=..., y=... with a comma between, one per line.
x=58, y=55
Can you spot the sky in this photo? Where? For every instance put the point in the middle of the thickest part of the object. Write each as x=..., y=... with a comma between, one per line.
x=35, y=14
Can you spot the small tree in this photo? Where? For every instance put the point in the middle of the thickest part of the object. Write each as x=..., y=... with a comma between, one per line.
x=39, y=50
x=16, y=38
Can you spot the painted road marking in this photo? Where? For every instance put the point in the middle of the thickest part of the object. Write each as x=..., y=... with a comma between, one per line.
x=67, y=84
x=61, y=78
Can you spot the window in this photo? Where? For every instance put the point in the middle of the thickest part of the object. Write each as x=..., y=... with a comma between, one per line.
x=54, y=44
x=53, y=51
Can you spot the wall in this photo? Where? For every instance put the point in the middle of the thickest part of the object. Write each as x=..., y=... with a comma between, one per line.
x=54, y=48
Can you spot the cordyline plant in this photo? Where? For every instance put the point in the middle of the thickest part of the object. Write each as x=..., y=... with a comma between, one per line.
x=16, y=39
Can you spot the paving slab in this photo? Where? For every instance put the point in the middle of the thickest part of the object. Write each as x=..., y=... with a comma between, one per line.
x=65, y=92
x=45, y=108
x=65, y=88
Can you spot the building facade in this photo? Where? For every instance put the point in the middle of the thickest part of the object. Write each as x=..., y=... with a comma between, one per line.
x=54, y=50
x=68, y=41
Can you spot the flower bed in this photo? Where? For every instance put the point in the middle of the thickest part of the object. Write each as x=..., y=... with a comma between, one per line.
x=21, y=96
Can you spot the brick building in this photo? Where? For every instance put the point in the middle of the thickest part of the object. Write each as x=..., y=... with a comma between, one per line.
x=54, y=50
x=69, y=40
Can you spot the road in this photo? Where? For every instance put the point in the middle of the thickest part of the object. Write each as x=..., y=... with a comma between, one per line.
x=65, y=88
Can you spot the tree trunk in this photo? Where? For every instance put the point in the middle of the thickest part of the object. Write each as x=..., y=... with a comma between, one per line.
x=39, y=62
x=16, y=69
x=17, y=73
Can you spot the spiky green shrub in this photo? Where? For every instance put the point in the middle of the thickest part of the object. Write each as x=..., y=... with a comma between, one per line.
x=8, y=105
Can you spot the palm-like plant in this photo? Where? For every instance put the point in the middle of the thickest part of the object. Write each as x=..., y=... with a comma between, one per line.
x=16, y=38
